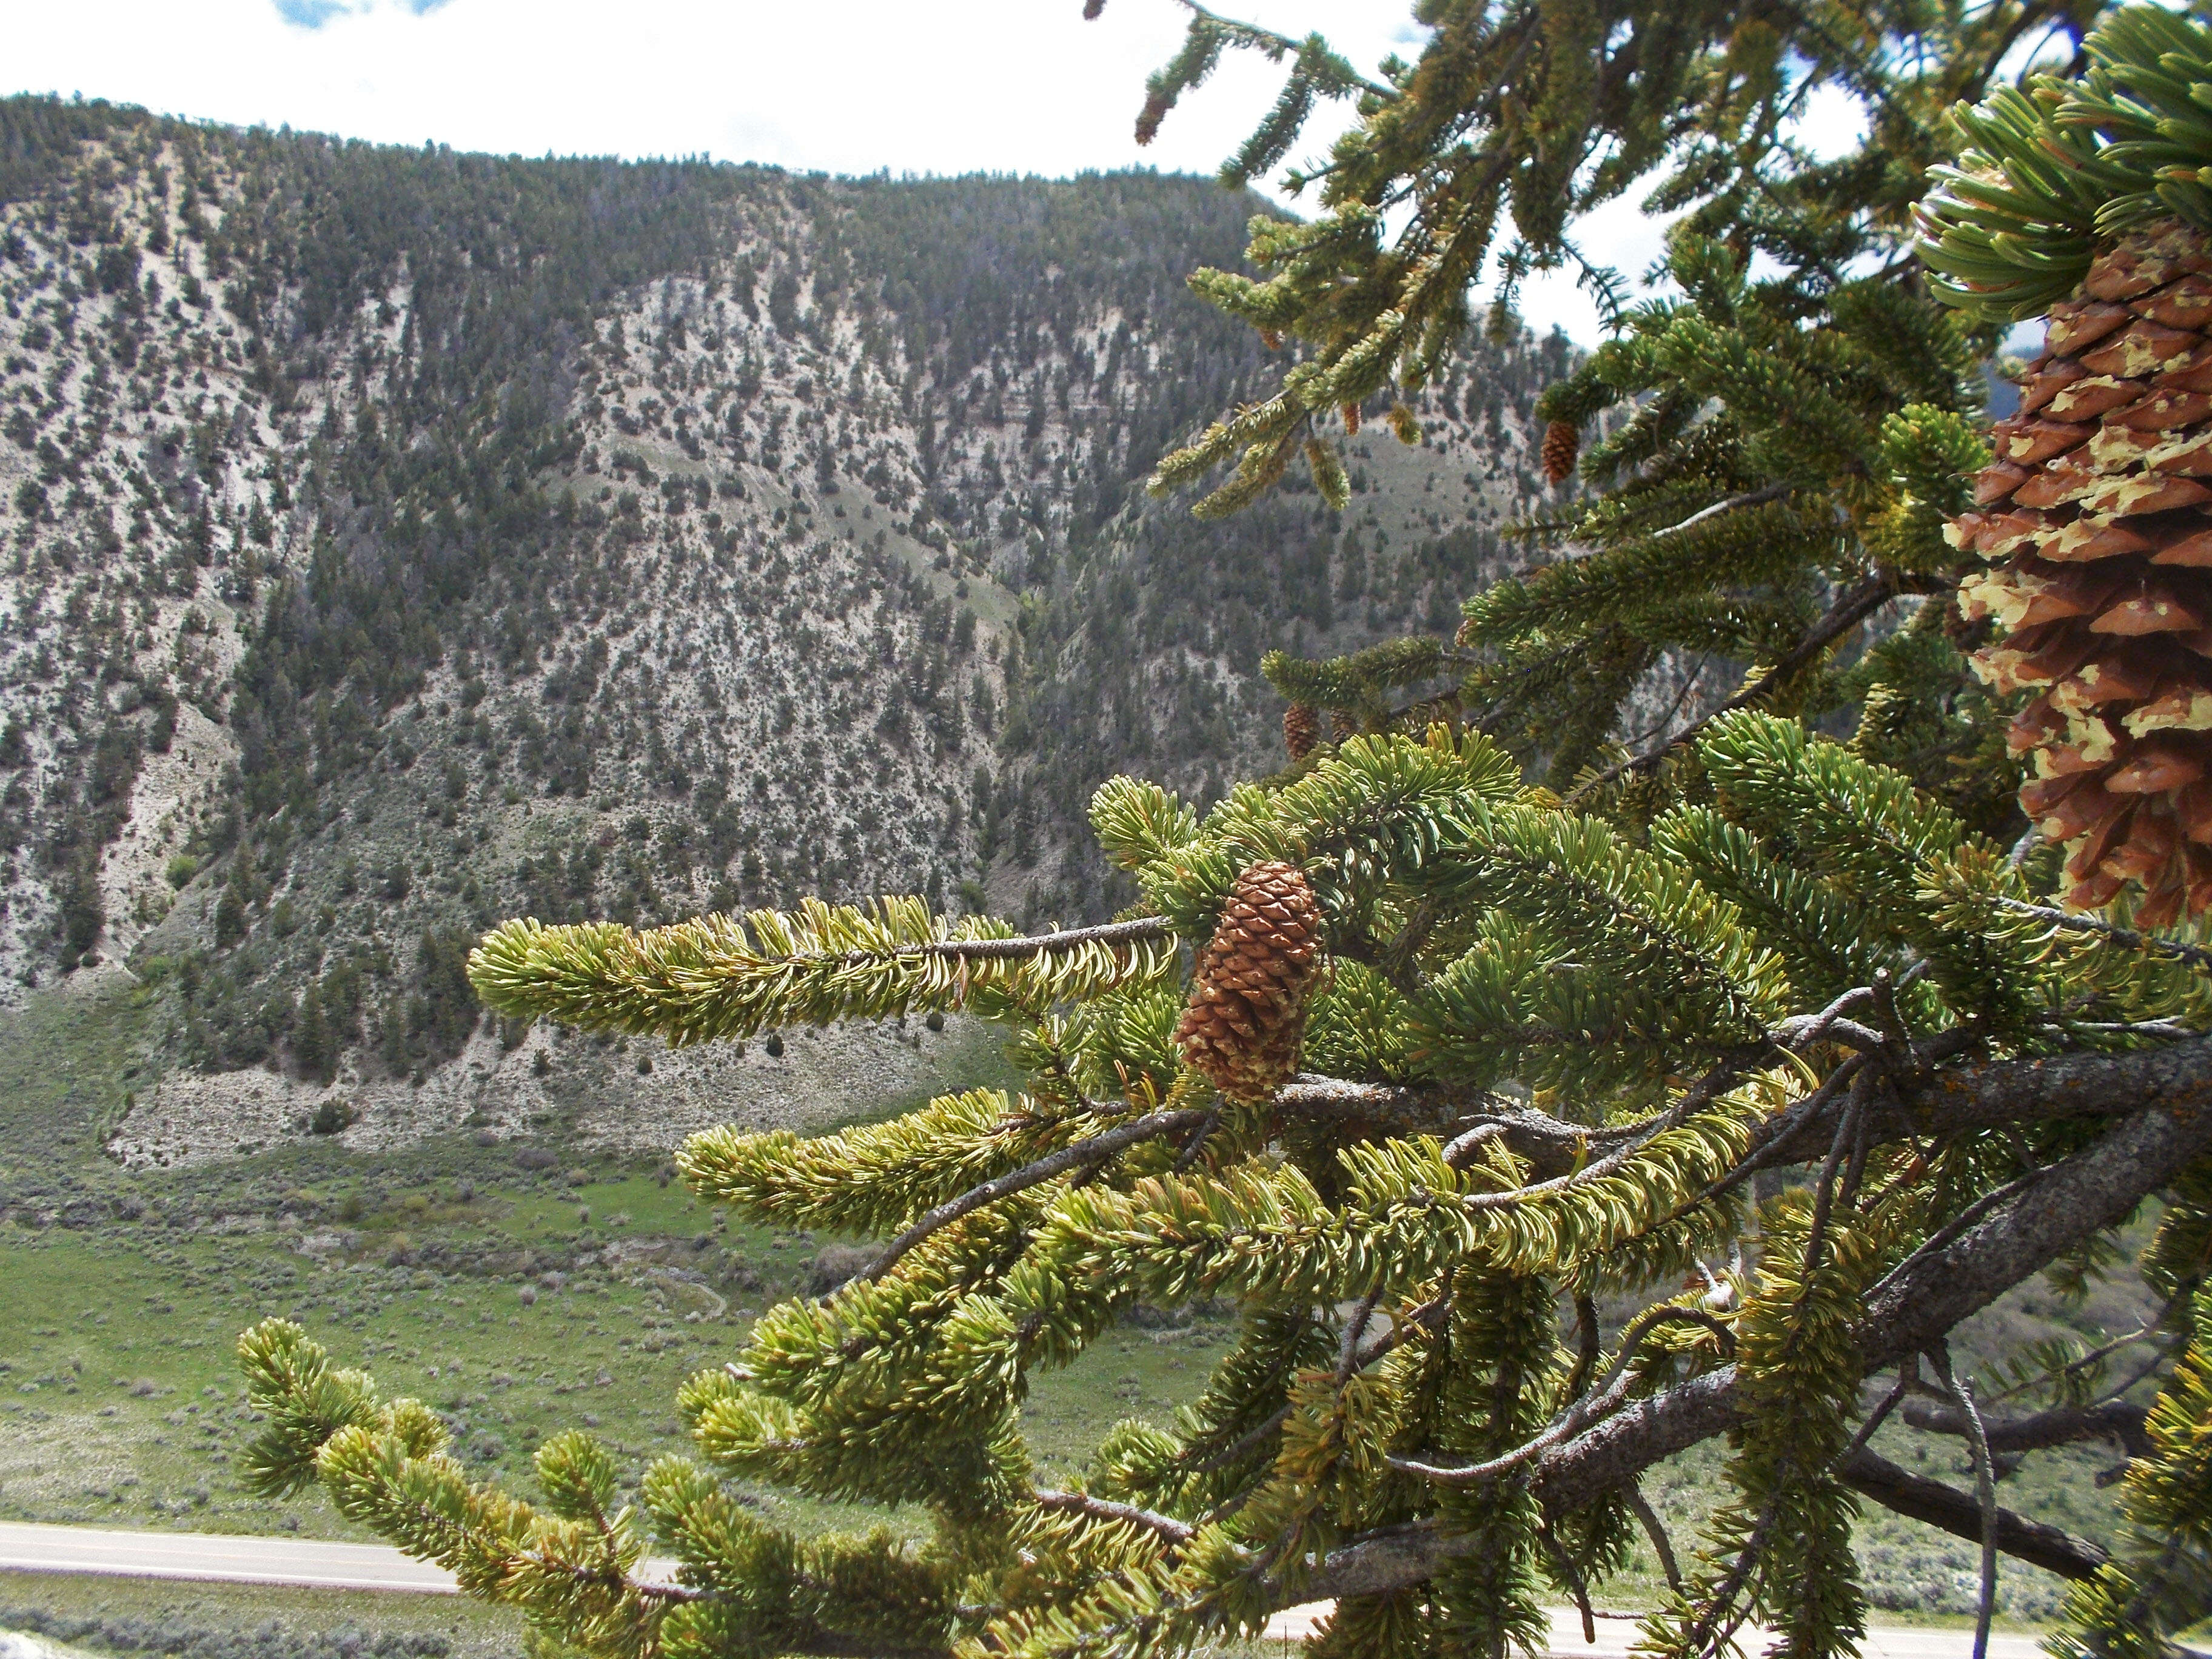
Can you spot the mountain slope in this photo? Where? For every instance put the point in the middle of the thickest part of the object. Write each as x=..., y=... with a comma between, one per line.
x=398, y=540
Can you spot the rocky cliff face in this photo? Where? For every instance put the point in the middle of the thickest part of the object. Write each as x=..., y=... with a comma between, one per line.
x=395, y=541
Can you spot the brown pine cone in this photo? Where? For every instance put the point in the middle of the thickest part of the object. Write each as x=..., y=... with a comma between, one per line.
x=1247, y=1013
x=1301, y=729
x=1563, y=442
x=2097, y=518
x=1342, y=726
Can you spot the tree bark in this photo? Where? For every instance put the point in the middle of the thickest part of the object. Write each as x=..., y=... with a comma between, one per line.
x=1958, y=1513
x=2109, y=1419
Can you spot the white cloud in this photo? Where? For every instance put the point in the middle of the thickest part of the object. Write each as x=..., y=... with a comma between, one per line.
x=1011, y=86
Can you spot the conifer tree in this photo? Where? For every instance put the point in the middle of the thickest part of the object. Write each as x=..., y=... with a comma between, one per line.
x=1535, y=1141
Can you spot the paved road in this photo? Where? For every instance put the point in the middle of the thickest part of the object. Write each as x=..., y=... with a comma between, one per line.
x=309, y=1563
x=14, y=1644
x=237, y=1559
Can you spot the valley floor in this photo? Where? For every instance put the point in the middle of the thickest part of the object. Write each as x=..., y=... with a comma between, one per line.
x=525, y=1288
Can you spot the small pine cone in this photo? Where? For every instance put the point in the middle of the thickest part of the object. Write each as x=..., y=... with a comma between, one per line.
x=1247, y=1013
x=2096, y=517
x=1301, y=729
x=1155, y=110
x=1342, y=726
x=1563, y=442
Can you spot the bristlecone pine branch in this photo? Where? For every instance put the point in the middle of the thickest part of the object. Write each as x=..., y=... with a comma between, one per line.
x=2094, y=510
x=1563, y=443
x=1301, y=729
x=1247, y=1011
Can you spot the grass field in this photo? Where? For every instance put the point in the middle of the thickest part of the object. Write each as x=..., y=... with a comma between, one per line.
x=122, y=1400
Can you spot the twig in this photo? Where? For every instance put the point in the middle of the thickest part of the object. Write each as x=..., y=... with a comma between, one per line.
x=1572, y=1580
x=1851, y=608
x=1897, y=1040
x=1936, y=1504
x=1707, y=1089
x=1759, y=497
x=1907, y=1375
x=1824, y=1193
x=1101, y=1508
x=1965, y=1218
x=1347, y=1359
x=1801, y=1031
x=1589, y=1344
x=1783, y=1130
x=2172, y=1029
x=2126, y=937
x=1241, y=1446
x=1656, y=1530
x=1985, y=1489
x=1096, y=1149
x=1544, y=1141
x=1279, y=45
x=1577, y=1416
x=1196, y=1144
x=1723, y=1599
x=1861, y=1131
x=2111, y=1419
x=1460, y=1148
x=1005, y=950
x=1674, y=707
x=2148, y=1330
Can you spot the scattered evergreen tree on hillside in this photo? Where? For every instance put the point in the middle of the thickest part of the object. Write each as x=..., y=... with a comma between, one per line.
x=1467, y=1083
x=396, y=486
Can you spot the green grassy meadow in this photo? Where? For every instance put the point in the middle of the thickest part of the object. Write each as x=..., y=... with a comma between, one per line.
x=121, y=1401
x=519, y=1289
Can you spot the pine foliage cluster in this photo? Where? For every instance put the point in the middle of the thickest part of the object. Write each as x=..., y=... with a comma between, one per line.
x=1553, y=1056
x=1784, y=992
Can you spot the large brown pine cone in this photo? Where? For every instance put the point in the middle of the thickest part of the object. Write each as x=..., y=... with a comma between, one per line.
x=1247, y=1013
x=1563, y=442
x=2094, y=516
x=1301, y=729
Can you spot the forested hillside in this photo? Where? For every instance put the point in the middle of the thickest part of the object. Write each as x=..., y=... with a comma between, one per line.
x=398, y=540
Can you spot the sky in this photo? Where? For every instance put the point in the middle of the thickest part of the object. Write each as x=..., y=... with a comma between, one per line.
x=856, y=86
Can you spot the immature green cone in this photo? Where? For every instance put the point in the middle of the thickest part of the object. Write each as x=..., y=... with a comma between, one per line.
x=1301, y=729
x=2094, y=515
x=1247, y=1013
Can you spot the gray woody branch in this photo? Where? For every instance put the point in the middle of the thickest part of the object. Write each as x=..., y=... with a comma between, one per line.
x=2108, y=1419
x=2167, y=1093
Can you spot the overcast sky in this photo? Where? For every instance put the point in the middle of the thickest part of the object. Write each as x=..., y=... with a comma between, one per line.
x=1010, y=86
